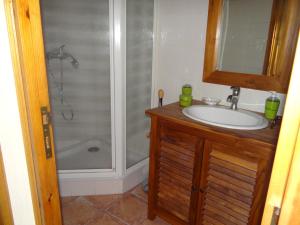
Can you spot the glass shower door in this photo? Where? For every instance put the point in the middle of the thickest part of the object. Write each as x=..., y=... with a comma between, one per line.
x=139, y=45
x=77, y=46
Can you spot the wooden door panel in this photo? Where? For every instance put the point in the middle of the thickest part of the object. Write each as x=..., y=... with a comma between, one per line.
x=5, y=207
x=27, y=47
x=176, y=151
x=175, y=175
x=231, y=182
x=232, y=168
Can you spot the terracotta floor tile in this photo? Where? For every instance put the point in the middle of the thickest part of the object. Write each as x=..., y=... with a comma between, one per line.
x=157, y=221
x=139, y=192
x=102, y=201
x=66, y=200
x=78, y=212
x=104, y=219
x=129, y=209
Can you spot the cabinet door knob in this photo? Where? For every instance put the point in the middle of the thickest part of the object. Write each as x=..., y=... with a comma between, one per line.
x=194, y=189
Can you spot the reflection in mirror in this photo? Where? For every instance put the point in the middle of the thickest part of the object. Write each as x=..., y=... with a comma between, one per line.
x=244, y=34
x=243, y=41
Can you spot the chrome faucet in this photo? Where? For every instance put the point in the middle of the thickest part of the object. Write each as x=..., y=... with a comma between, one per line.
x=234, y=98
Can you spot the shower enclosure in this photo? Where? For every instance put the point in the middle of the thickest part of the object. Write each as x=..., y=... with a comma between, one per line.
x=99, y=66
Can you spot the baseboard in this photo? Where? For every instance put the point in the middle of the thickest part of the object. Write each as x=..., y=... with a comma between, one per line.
x=103, y=185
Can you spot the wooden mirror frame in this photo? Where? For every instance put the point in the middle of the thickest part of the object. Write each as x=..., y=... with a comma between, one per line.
x=281, y=48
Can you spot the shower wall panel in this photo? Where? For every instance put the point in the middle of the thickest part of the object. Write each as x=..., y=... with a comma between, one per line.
x=83, y=27
x=139, y=44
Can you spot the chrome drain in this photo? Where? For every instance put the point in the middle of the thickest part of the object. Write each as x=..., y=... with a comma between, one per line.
x=93, y=149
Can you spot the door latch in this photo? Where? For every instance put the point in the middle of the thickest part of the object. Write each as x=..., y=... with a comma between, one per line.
x=275, y=216
x=46, y=131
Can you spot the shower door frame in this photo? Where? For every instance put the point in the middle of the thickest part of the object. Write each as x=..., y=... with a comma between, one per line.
x=117, y=26
x=154, y=87
x=115, y=87
x=120, y=82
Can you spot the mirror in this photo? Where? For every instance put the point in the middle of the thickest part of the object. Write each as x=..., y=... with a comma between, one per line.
x=244, y=33
x=251, y=43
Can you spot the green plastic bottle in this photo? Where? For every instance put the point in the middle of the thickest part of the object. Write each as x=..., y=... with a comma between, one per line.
x=186, y=98
x=272, y=105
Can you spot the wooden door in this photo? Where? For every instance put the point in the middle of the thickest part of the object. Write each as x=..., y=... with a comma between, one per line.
x=178, y=156
x=233, y=183
x=290, y=210
x=5, y=208
x=27, y=49
x=284, y=190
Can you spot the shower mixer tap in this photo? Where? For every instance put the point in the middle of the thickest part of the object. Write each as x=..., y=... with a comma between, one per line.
x=61, y=54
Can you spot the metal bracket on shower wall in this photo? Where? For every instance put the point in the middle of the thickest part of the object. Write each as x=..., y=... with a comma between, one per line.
x=46, y=131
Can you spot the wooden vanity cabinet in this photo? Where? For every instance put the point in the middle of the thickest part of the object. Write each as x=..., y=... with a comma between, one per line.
x=199, y=175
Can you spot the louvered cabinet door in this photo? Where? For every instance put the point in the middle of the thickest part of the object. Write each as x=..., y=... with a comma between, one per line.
x=234, y=181
x=178, y=162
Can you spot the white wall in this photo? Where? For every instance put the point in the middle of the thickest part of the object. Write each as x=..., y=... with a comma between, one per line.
x=179, y=52
x=11, y=139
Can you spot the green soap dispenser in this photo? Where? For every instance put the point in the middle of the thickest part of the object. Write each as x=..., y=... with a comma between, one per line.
x=186, y=98
x=272, y=105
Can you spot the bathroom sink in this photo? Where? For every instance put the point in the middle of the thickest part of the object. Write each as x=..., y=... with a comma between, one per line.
x=224, y=117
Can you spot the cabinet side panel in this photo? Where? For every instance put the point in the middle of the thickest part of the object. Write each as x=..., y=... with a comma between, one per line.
x=152, y=189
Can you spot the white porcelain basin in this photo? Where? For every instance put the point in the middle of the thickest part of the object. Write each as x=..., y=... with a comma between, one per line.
x=224, y=117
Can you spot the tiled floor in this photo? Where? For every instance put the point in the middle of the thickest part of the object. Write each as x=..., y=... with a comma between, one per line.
x=127, y=209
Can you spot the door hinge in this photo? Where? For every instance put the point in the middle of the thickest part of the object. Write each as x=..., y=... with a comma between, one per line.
x=46, y=118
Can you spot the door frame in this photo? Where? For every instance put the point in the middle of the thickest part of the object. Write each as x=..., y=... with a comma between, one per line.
x=27, y=51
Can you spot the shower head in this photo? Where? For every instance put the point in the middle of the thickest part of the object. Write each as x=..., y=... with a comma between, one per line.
x=61, y=54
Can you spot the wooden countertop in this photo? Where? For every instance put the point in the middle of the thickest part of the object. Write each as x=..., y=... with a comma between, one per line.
x=173, y=112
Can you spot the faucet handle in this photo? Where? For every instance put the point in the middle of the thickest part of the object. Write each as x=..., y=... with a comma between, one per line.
x=229, y=98
x=235, y=90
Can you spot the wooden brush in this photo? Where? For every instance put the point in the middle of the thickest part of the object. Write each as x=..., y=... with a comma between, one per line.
x=160, y=97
